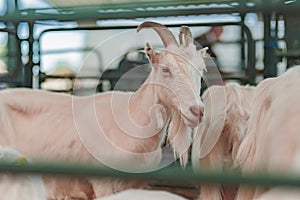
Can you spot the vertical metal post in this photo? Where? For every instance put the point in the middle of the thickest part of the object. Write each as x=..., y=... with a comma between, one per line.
x=276, y=27
x=10, y=7
x=27, y=69
x=270, y=69
x=243, y=43
x=14, y=44
x=250, y=70
x=19, y=63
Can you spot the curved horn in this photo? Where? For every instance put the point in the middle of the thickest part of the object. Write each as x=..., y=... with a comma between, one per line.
x=164, y=33
x=186, y=36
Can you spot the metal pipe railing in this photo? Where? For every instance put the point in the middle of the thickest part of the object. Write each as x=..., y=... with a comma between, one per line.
x=140, y=10
x=250, y=71
x=165, y=174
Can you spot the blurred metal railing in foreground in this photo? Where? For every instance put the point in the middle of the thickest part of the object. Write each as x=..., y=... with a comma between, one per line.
x=171, y=173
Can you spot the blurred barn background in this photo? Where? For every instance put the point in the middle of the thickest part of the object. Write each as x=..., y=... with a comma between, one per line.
x=84, y=47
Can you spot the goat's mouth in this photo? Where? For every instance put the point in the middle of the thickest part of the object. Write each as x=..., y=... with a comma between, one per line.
x=191, y=122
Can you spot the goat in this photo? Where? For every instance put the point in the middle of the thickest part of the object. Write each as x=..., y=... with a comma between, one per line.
x=138, y=194
x=227, y=110
x=19, y=186
x=123, y=130
x=272, y=142
x=280, y=193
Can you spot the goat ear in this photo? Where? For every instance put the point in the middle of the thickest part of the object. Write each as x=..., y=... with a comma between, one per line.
x=151, y=54
x=203, y=52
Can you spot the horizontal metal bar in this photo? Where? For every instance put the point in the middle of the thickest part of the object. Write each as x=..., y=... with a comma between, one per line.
x=90, y=28
x=171, y=173
x=8, y=30
x=144, y=4
x=290, y=53
x=141, y=11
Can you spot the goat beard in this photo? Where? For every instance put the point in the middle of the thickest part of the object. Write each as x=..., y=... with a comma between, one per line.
x=180, y=138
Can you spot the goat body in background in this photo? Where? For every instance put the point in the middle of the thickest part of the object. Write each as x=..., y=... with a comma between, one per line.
x=227, y=110
x=136, y=194
x=272, y=143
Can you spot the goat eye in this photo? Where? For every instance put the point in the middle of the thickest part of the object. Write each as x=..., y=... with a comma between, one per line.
x=166, y=70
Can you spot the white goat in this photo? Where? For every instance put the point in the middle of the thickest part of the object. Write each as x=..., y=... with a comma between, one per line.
x=280, y=193
x=227, y=110
x=19, y=186
x=121, y=129
x=272, y=143
x=138, y=194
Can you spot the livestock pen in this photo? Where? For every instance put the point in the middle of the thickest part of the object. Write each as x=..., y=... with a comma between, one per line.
x=88, y=47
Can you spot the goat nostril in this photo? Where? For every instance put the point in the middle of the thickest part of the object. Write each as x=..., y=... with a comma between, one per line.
x=197, y=111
